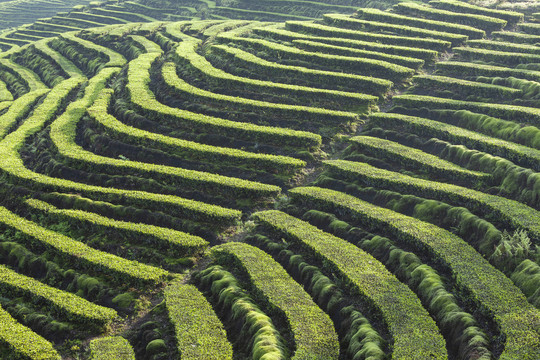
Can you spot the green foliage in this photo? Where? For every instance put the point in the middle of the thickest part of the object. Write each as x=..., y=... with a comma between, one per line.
x=5, y=95
x=15, y=86
x=438, y=26
x=514, y=152
x=422, y=48
x=175, y=242
x=413, y=331
x=199, y=333
x=489, y=288
x=67, y=66
x=124, y=300
x=186, y=55
x=74, y=22
x=89, y=61
x=111, y=347
x=349, y=22
x=99, y=19
x=516, y=37
x=38, y=319
x=197, y=151
x=527, y=277
x=463, y=7
x=230, y=12
x=63, y=134
x=481, y=234
x=294, y=112
x=530, y=89
x=504, y=46
x=464, y=88
x=379, y=68
x=358, y=336
x=258, y=334
x=82, y=255
x=74, y=308
x=323, y=72
x=19, y=78
x=514, y=181
x=141, y=96
x=319, y=47
x=24, y=343
x=124, y=15
x=113, y=59
x=155, y=347
x=29, y=263
x=334, y=36
x=483, y=22
x=507, y=112
x=511, y=212
x=50, y=72
x=461, y=68
x=498, y=57
x=512, y=250
x=507, y=130
x=128, y=213
x=408, y=156
x=313, y=333
x=218, y=28
x=44, y=24
x=268, y=69
x=466, y=338
x=18, y=110
x=530, y=28
x=12, y=164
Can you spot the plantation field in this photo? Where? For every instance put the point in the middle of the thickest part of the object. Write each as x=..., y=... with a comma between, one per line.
x=26, y=21
x=280, y=179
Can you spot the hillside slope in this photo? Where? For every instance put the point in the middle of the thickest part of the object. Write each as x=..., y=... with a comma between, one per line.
x=355, y=186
